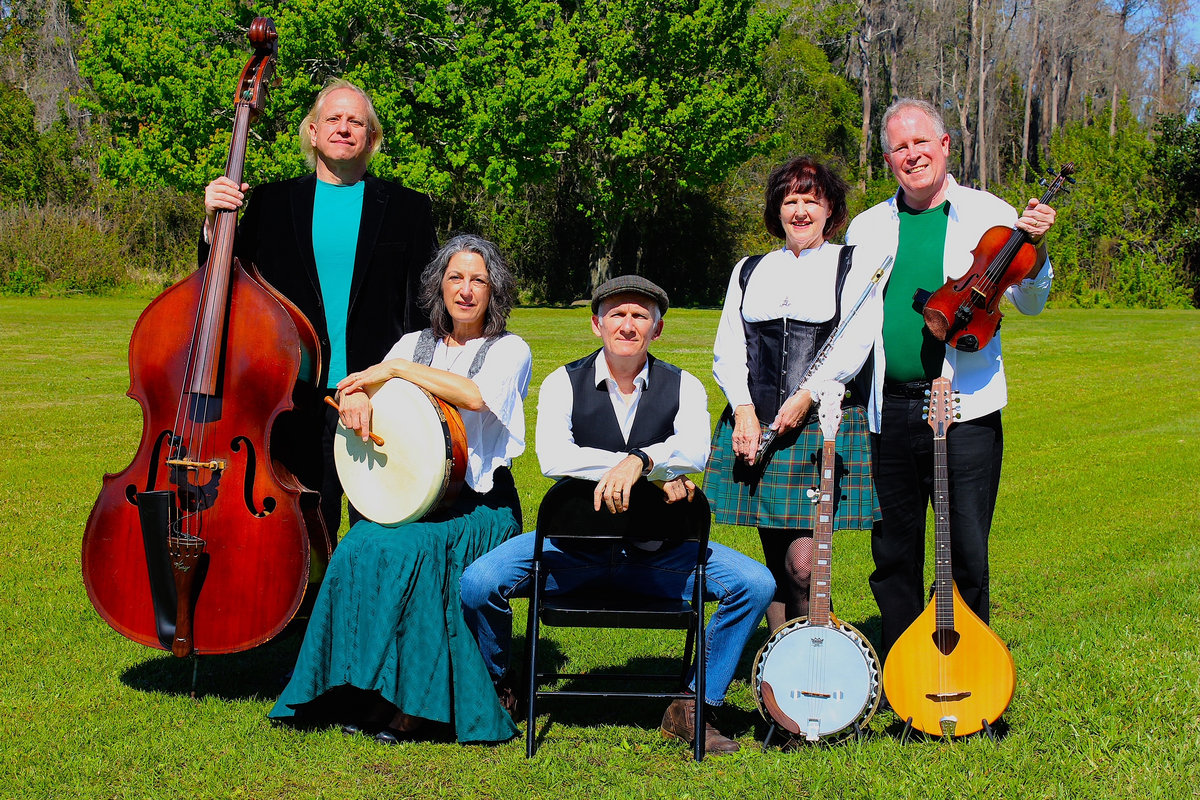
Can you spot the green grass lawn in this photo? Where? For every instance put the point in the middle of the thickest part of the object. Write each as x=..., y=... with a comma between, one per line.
x=1094, y=585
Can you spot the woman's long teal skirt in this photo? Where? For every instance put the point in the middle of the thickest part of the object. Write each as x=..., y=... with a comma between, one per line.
x=389, y=619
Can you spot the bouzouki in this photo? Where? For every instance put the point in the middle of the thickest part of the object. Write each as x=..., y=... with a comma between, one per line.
x=949, y=674
x=817, y=677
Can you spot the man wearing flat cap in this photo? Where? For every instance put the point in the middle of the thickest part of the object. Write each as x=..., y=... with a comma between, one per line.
x=617, y=417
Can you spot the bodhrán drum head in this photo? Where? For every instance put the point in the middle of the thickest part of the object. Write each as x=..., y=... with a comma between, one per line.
x=400, y=481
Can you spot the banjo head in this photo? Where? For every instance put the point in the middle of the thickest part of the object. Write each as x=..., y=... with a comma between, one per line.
x=404, y=478
x=817, y=681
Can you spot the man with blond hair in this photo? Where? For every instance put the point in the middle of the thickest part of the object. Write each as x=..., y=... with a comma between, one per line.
x=347, y=248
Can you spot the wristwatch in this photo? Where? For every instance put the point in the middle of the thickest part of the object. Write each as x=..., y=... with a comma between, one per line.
x=645, y=460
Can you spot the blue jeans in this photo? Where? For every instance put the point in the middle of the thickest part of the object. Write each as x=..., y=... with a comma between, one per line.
x=741, y=586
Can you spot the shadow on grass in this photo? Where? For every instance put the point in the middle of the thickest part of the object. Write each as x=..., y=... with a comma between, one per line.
x=896, y=730
x=645, y=713
x=260, y=672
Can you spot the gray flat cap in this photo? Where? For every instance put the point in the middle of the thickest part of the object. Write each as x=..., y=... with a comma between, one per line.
x=630, y=284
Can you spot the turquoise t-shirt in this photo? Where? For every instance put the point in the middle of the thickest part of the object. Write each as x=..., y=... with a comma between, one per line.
x=337, y=212
x=912, y=352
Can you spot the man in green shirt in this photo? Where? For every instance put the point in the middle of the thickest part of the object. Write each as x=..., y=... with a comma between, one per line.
x=933, y=224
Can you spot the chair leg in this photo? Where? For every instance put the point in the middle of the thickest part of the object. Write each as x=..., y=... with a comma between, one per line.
x=688, y=644
x=532, y=629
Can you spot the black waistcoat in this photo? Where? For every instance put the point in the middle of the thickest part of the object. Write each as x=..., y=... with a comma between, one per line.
x=779, y=351
x=593, y=423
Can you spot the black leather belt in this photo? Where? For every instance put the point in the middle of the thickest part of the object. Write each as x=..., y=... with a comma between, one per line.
x=910, y=389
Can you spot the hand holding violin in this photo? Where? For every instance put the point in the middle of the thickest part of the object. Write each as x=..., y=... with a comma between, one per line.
x=1036, y=220
x=965, y=312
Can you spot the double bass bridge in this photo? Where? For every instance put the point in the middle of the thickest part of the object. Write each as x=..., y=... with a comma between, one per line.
x=214, y=465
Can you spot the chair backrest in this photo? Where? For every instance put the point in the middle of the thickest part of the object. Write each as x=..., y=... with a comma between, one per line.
x=567, y=512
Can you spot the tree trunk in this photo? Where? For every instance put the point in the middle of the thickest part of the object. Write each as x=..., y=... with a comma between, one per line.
x=981, y=141
x=864, y=144
x=1118, y=49
x=962, y=99
x=601, y=268
x=1034, y=63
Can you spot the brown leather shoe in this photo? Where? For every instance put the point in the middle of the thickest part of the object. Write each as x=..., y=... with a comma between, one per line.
x=510, y=696
x=679, y=722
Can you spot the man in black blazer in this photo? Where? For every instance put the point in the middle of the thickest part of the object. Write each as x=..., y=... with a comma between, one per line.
x=395, y=240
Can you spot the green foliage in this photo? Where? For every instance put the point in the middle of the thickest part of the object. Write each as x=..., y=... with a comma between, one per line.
x=1108, y=248
x=163, y=73
x=129, y=236
x=1176, y=159
x=815, y=111
x=54, y=249
x=22, y=168
x=605, y=106
x=1175, y=164
x=587, y=137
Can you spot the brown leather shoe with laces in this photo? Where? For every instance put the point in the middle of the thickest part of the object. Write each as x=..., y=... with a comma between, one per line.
x=679, y=722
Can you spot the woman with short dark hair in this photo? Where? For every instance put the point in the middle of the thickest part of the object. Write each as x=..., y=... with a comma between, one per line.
x=387, y=649
x=780, y=308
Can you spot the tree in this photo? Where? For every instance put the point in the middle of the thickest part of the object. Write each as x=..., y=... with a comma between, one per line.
x=666, y=94
x=629, y=99
x=1175, y=163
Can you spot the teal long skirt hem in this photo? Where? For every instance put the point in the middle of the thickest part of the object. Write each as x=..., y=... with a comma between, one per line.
x=389, y=619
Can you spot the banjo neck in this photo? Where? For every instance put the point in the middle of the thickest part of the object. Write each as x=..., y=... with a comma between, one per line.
x=830, y=415
x=822, y=568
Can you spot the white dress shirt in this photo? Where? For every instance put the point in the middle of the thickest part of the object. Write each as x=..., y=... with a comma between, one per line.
x=801, y=288
x=495, y=434
x=978, y=377
x=685, y=451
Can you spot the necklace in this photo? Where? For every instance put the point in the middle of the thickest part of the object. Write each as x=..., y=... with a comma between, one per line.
x=450, y=356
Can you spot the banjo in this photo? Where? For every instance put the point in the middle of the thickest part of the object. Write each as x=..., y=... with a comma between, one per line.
x=817, y=677
x=415, y=461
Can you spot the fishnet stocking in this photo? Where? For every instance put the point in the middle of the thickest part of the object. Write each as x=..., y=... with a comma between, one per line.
x=788, y=555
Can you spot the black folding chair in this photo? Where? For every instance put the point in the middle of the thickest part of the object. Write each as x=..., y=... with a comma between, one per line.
x=566, y=516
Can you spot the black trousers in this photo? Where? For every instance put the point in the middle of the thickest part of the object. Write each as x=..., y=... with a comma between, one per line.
x=902, y=456
x=303, y=442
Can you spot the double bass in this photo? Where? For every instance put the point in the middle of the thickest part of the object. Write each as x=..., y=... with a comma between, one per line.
x=205, y=543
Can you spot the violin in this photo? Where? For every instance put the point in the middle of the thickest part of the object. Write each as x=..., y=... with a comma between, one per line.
x=965, y=312
x=205, y=543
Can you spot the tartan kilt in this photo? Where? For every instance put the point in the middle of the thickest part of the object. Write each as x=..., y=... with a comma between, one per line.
x=777, y=496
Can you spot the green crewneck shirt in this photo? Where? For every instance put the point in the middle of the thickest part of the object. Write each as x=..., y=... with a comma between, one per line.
x=912, y=352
